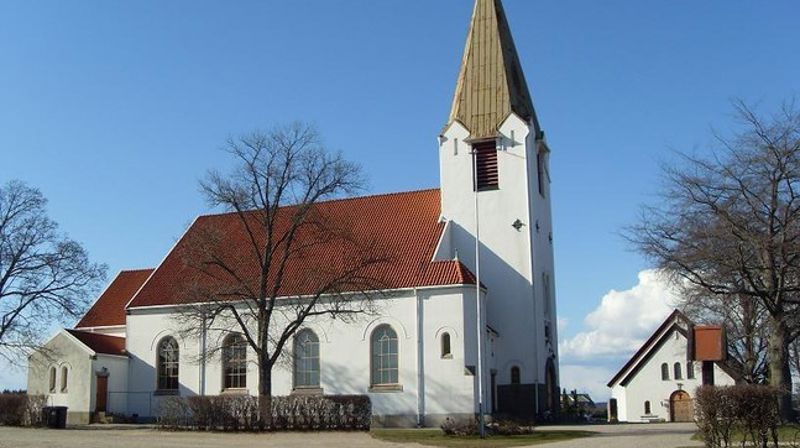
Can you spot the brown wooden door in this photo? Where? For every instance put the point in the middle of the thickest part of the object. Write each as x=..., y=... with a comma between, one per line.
x=681, y=409
x=102, y=394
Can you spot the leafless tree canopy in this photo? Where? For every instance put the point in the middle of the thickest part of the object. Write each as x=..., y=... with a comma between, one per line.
x=44, y=276
x=273, y=193
x=728, y=225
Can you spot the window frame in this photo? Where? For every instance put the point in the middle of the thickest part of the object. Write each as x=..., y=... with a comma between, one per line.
x=52, y=380
x=664, y=371
x=516, y=375
x=677, y=371
x=378, y=384
x=647, y=408
x=168, y=370
x=314, y=360
x=446, y=346
x=234, y=356
x=690, y=375
x=64, y=379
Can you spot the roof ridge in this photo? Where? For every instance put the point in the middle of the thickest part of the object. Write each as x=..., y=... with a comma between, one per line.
x=330, y=201
x=121, y=271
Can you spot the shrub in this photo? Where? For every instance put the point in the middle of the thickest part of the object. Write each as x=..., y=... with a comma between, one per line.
x=747, y=410
x=240, y=412
x=19, y=409
x=460, y=428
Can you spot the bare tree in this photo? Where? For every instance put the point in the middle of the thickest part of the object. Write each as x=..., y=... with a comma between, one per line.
x=274, y=197
x=747, y=330
x=729, y=224
x=44, y=276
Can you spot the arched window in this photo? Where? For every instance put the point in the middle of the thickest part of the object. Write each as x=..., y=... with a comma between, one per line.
x=446, y=352
x=515, y=375
x=63, y=378
x=306, y=359
x=678, y=374
x=234, y=362
x=665, y=372
x=646, y=408
x=690, y=370
x=167, y=365
x=385, y=369
x=52, y=379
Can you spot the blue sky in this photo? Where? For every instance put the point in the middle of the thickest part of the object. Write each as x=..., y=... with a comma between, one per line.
x=116, y=109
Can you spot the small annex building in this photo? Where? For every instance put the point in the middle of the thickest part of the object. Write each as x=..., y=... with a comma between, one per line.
x=81, y=368
x=658, y=383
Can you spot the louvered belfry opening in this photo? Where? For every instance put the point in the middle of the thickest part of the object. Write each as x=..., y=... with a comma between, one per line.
x=486, y=165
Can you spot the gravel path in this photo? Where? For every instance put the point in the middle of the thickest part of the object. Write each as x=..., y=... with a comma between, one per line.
x=616, y=436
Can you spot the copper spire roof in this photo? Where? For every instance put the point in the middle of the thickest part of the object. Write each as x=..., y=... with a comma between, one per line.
x=491, y=84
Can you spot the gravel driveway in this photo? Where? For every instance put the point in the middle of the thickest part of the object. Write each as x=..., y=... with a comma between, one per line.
x=616, y=436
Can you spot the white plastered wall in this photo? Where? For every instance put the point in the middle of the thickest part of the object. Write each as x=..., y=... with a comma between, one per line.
x=512, y=261
x=344, y=355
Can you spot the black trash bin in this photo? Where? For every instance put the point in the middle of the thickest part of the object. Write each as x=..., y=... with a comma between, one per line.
x=54, y=417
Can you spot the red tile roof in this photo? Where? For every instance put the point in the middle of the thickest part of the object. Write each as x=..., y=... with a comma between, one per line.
x=404, y=227
x=101, y=343
x=109, y=309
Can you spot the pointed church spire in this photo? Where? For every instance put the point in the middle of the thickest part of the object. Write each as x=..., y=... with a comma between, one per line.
x=491, y=84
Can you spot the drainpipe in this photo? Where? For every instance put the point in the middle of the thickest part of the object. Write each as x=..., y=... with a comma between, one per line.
x=203, y=350
x=420, y=361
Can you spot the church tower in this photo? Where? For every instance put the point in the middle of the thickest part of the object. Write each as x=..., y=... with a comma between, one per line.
x=495, y=184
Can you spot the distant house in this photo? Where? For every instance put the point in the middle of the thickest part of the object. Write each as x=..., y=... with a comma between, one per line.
x=583, y=401
x=659, y=381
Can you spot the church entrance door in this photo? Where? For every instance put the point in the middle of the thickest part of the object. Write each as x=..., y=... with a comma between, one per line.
x=680, y=407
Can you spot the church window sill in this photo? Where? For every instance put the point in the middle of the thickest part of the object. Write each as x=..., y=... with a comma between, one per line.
x=235, y=391
x=385, y=388
x=166, y=392
x=308, y=391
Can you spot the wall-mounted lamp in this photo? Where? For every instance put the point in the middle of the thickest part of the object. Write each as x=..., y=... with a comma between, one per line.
x=517, y=225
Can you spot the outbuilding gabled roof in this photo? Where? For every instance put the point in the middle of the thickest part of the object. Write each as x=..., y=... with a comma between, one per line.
x=100, y=343
x=109, y=309
x=403, y=226
x=642, y=355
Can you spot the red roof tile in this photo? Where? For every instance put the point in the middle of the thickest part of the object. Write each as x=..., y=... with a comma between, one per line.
x=101, y=343
x=109, y=309
x=404, y=227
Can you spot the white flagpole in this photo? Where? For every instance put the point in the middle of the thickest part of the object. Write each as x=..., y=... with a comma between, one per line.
x=479, y=369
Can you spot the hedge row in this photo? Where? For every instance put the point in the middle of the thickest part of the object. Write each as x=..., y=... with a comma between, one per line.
x=21, y=410
x=748, y=411
x=240, y=413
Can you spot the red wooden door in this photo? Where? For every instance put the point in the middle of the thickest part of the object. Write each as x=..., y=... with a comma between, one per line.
x=102, y=394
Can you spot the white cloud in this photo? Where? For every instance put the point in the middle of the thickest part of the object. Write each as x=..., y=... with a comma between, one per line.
x=622, y=321
x=612, y=332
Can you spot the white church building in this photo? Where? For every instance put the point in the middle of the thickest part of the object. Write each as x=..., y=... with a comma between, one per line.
x=659, y=381
x=128, y=352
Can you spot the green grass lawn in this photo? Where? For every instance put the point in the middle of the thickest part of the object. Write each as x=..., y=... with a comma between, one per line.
x=786, y=433
x=435, y=437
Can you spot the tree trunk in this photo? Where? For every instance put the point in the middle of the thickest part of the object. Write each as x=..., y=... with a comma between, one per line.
x=264, y=395
x=778, y=362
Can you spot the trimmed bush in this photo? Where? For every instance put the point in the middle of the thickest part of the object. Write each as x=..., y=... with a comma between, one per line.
x=744, y=411
x=240, y=413
x=17, y=409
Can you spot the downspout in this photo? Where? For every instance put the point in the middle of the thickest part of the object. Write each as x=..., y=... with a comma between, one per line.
x=203, y=354
x=420, y=360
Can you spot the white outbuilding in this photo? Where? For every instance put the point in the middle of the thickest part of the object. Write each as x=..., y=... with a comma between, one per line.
x=658, y=383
